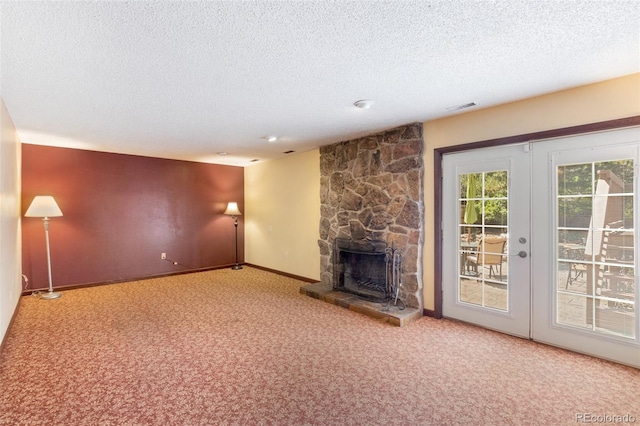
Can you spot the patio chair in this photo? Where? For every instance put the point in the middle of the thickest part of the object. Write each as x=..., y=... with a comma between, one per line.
x=490, y=253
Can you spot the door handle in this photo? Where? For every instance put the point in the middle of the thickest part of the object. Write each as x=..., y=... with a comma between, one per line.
x=521, y=254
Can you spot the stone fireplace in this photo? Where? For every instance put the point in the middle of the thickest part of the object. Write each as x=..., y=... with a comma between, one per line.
x=372, y=196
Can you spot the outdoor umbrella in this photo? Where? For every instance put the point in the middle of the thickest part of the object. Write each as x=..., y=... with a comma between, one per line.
x=470, y=214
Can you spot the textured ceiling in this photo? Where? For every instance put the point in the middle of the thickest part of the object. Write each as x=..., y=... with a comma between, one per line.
x=187, y=80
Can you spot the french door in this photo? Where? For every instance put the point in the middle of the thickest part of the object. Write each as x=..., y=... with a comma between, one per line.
x=567, y=274
x=486, y=226
x=585, y=291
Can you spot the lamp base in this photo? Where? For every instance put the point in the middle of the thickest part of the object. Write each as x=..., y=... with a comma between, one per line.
x=236, y=267
x=50, y=295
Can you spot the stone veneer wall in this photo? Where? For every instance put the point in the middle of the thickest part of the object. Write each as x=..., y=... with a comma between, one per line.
x=372, y=189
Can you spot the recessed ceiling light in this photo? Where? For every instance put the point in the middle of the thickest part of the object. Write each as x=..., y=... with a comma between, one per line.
x=270, y=138
x=363, y=103
x=222, y=154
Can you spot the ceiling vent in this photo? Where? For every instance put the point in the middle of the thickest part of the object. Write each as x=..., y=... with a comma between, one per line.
x=459, y=107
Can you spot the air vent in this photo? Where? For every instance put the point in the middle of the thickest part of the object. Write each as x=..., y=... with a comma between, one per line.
x=288, y=152
x=459, y=107
x=254, y=160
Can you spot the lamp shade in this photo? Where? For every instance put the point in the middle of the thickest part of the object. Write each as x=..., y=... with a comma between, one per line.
x=43, y=206
x=232, y=209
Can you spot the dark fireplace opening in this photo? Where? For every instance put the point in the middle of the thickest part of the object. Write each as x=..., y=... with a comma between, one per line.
x=360, y=267
x=363, y=274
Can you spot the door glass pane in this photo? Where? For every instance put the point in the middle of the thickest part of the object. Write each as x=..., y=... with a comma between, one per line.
x=483, y=231
x=595, y=264
x=574, y=179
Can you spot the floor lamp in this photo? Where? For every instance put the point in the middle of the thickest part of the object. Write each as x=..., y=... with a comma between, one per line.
x=233, y=211
x=45, y=206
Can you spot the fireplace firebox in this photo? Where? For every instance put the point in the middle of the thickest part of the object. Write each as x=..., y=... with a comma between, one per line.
x=368, y=269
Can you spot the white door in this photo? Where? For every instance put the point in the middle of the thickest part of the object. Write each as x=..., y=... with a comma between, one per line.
x=570, y=206
x=585, y=275
x=486, y=267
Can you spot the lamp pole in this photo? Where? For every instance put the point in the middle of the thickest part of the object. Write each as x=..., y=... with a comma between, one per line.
x=235, y=223
x=50, y=294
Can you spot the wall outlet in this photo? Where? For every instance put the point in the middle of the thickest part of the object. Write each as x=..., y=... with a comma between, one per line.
x=286, y=255
x=163, y=256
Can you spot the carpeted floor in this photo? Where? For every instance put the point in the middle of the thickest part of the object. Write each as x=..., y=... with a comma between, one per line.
x=245, y=348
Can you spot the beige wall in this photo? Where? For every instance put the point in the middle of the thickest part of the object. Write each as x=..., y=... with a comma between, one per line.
x=608, y=100
x=10, y=248
x=282, y=217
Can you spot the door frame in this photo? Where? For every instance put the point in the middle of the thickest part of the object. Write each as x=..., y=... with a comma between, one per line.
x=527, y=137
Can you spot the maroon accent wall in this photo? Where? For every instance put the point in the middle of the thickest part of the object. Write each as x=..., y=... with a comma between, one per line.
x=122, y=211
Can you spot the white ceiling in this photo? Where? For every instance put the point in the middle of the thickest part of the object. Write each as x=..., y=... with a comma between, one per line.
x=187, y=80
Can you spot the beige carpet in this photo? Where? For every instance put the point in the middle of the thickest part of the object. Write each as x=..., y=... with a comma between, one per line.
x=245, y=348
